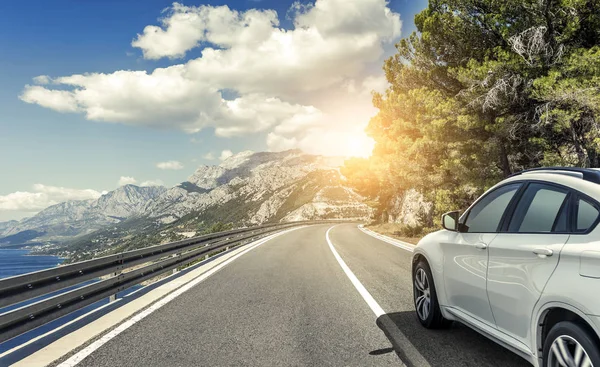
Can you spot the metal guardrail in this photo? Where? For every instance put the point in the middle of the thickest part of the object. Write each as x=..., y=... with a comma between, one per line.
x=166, y=257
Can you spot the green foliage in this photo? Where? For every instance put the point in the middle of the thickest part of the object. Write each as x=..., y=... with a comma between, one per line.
x=410, y=231
x=483, y=89
x=218, y=227
x=362, y=175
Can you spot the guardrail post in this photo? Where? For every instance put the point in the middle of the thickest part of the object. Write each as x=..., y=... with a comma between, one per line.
x=175, y=270
x=113, y=297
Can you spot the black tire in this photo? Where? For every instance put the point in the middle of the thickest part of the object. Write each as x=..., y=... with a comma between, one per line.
x=570, y=332
x=434, y=318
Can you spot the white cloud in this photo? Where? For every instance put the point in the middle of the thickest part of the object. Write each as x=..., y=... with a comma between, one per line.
x=173, y=165
x=42, y=197
x=166, y=98
x=24, y=201
x=186, y=26
x=126, y=180
x=355, y=18
x=58, y=100
x=225, y=154
x=257, y=113
x=64, y=193
x=42, y=79
x=287, y=81
x=152, y=183
x=339, y=131
x=210, y=156
x=375, y=83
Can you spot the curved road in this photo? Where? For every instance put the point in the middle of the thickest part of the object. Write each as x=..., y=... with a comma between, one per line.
x=289, y=303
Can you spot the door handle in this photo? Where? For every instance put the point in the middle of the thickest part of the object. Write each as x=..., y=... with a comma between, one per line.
x=481, y=246
x=543, y=252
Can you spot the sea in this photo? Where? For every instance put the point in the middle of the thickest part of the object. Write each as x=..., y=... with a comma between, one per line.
x=18, y=261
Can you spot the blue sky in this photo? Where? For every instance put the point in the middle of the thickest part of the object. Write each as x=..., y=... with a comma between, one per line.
x=42, y=145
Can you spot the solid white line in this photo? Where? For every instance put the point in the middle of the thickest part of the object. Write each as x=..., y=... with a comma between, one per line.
x=398, y=339
x=33, y=340
x=400, y=244
x=357, y=284
x=81, y=355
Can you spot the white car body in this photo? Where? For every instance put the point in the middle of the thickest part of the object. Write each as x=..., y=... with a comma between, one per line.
x=506, y=285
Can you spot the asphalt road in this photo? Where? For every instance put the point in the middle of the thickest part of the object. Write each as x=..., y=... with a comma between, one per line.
x=289, y=303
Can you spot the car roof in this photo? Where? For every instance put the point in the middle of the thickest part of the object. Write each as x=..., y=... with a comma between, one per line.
x=587, y=174
x=579, y=180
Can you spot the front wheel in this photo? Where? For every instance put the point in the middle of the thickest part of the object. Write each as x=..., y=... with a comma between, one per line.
x=425, y=298
x=569, y=344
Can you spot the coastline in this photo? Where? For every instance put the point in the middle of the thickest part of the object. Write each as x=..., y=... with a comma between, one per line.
x=59, y=257
x=14, y=262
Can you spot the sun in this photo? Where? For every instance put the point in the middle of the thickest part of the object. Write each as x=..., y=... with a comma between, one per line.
x=359, y=145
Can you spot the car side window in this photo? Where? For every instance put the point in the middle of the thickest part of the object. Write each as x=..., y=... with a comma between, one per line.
x=486, y=215
x=541, y=209
x=586, y=215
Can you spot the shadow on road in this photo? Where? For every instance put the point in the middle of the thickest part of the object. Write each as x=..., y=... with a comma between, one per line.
x=379, y=352
x=457, y=346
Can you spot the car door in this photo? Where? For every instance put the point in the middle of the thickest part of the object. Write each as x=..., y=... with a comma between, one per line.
x=523, y=256
x=466, y=256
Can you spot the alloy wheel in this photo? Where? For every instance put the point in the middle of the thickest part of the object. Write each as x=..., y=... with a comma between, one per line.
x=567, y=352
x=422, y=294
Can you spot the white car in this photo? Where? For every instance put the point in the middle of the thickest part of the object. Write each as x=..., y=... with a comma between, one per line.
x=521, y=266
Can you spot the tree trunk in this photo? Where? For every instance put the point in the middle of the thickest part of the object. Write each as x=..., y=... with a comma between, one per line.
x=578, y=149
x=504, y=163
x=592, y=155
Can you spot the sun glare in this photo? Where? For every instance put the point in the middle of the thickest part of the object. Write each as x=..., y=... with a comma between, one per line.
x=359, y=146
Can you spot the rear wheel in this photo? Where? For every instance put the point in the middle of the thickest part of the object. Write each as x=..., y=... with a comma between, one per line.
x=425, y=297
x=568, y=344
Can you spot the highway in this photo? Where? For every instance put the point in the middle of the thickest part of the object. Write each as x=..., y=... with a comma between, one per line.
x=288, y=302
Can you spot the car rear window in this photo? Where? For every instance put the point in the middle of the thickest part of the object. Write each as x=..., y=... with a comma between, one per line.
x=587, y=214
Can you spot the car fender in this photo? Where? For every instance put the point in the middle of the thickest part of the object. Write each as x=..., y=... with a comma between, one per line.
x=539, y=313
x=429, y=247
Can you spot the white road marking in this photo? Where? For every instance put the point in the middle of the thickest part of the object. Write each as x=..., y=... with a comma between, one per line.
x=393, y=333
x=81, y=355
x=400, y=244
x=33, y=340
x=377, y=310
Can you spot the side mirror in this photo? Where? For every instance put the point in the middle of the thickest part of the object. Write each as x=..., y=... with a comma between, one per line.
x=450, y=221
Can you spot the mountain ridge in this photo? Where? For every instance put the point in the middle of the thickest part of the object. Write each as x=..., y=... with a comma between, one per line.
x=246, y=189
x=75, y=217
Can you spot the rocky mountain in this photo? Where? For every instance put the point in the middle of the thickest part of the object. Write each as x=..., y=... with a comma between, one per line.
x=246, y=189
x=5, y=226
x=261, y=183
x=73, y=218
